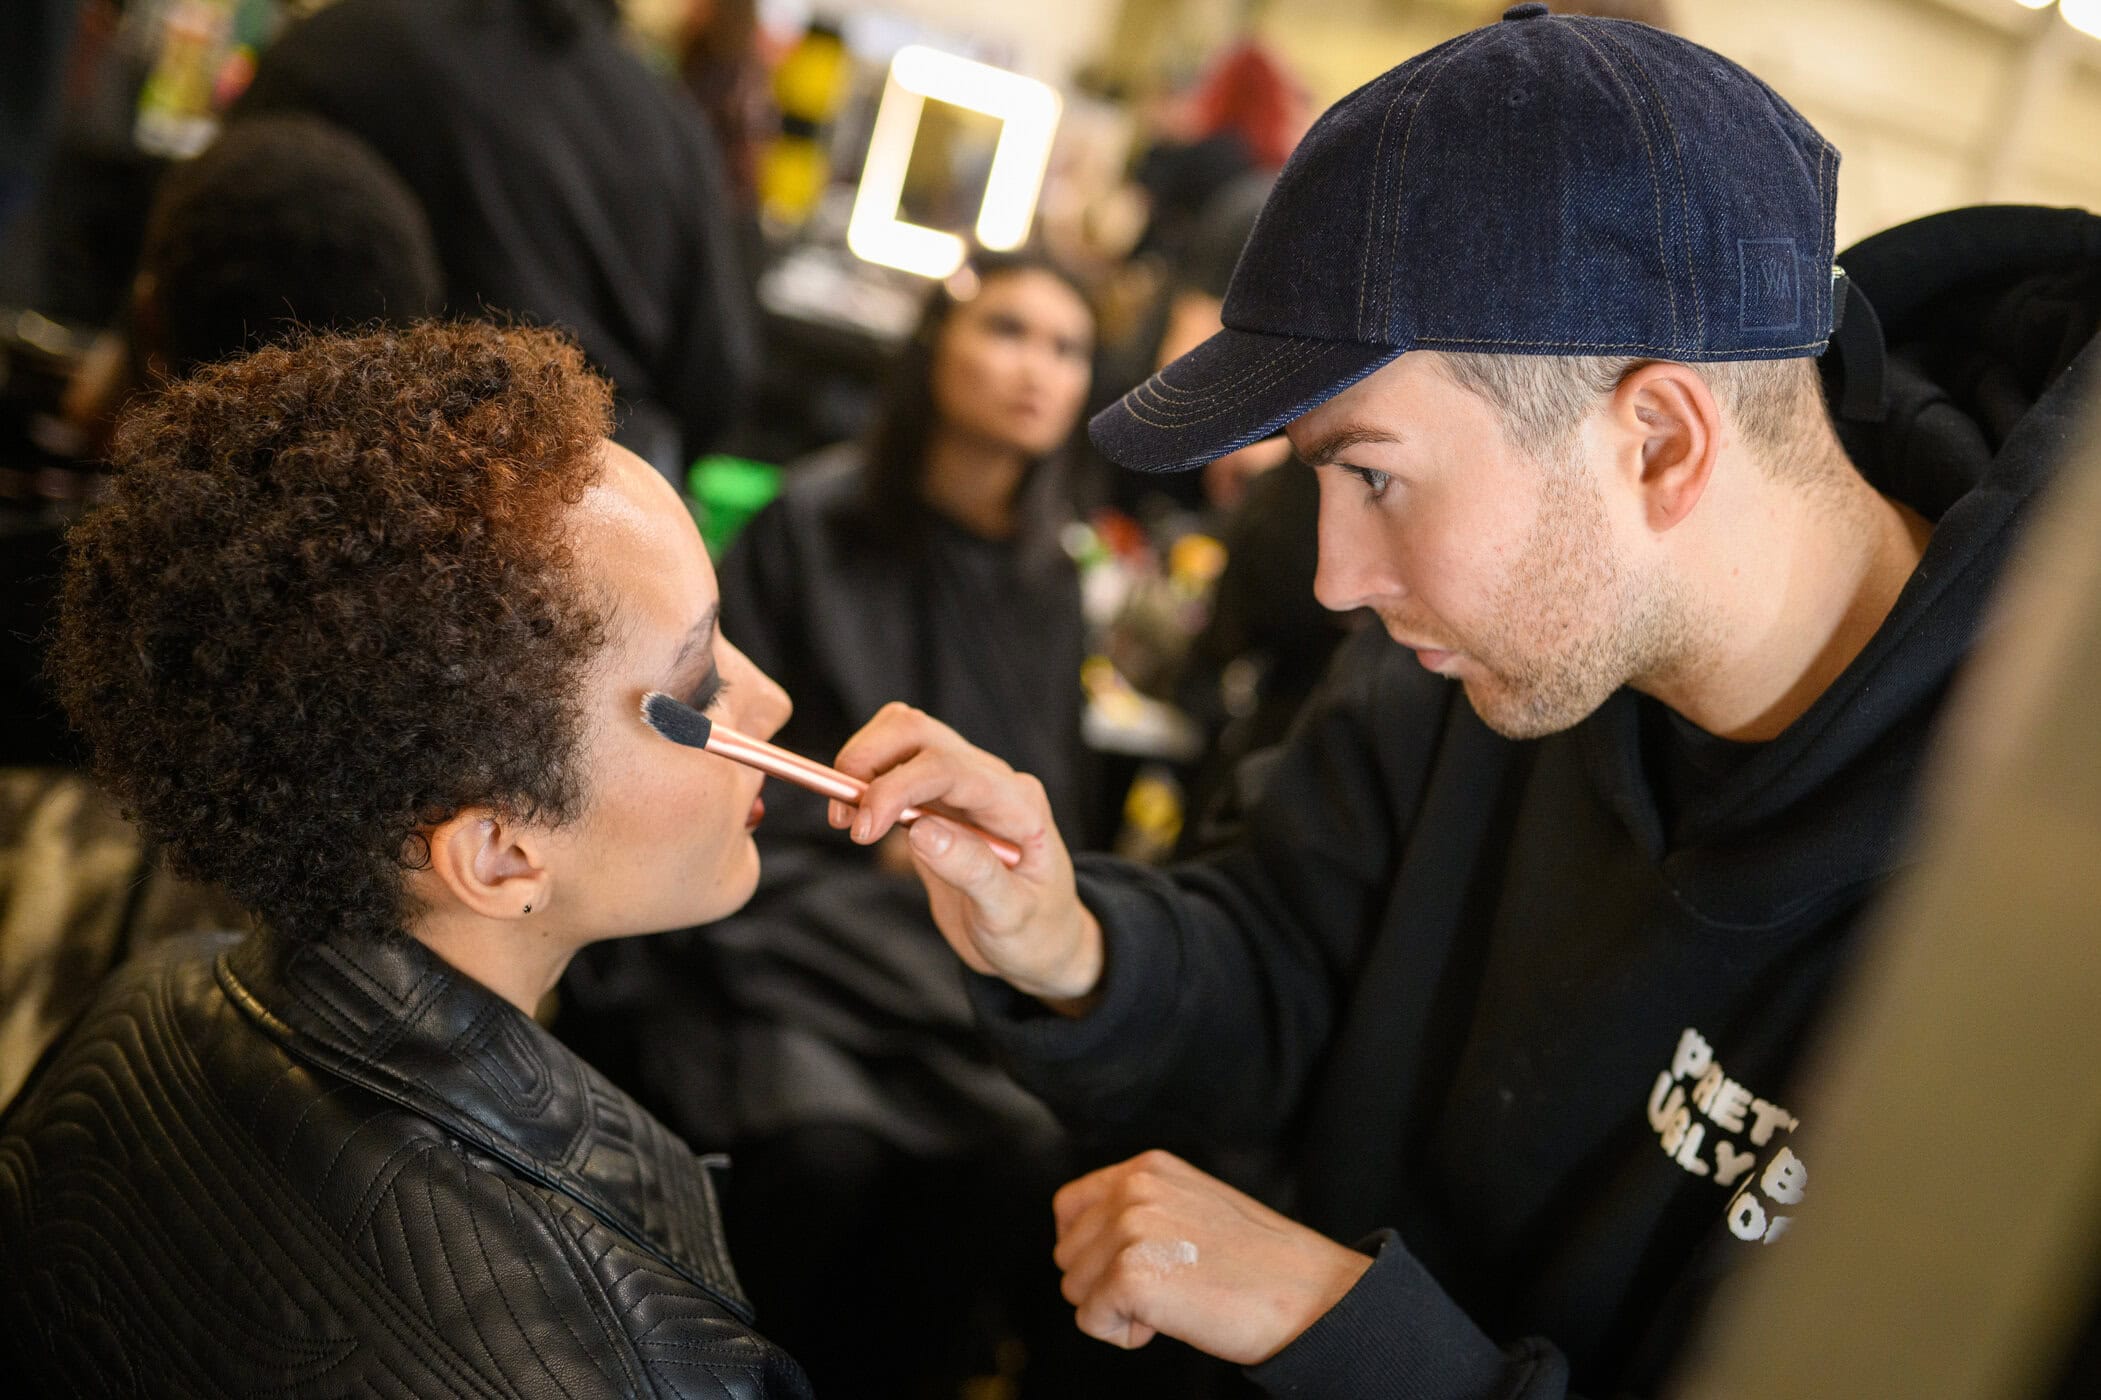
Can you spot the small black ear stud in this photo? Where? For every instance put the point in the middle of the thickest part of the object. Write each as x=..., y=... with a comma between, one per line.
x=528, y=909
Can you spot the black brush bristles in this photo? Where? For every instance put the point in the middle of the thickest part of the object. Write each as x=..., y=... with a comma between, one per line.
x=676, y=720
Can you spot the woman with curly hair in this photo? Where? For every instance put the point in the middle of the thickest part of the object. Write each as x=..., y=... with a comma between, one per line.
x=361, y=635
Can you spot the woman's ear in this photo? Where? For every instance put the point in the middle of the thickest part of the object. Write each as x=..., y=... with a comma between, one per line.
x=1671, y=427
x=488, y=864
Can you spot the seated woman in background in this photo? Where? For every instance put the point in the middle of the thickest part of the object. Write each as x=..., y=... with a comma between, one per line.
x=822, y=1033
x=361, y=635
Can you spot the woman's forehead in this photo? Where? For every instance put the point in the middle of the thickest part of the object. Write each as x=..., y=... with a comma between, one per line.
x=637, y=541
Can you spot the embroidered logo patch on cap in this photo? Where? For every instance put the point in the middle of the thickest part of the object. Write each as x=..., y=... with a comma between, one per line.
x=1771, y=300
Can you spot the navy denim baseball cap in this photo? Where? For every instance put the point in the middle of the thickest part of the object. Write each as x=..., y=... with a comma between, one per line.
x=1550, y=185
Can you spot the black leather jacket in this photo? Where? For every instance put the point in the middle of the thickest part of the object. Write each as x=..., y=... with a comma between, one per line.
x=258, y=1167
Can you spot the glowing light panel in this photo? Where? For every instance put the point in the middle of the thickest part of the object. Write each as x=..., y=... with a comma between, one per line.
x=1028, y=115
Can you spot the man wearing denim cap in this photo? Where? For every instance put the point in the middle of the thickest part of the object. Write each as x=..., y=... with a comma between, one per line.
x=1513, y=946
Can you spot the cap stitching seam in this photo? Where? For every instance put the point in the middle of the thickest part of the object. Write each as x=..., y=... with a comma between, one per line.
x=1692, y=281
x=1828, y=254
x=1375, y=206
x=1400, y=177
x=1194, y=410
x=1158, y=388
x=1161, y=387
x=1170, y=419
x=1289, y=345
x=1641, y=129
x=1663, y=351
x=1168, y=416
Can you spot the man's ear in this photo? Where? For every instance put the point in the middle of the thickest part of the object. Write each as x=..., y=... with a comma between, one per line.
x=489, y=864
x=1671, y=427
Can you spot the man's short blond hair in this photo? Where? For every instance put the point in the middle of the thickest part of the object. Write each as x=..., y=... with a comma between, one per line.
x=1777, y=406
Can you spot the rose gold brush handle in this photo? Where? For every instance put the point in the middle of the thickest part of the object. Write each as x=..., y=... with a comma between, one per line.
x=830, y=782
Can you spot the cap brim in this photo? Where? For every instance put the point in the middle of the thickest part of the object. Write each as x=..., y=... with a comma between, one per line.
x=1236, y=388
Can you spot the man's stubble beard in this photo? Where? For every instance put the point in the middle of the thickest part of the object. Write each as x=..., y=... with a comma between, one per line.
x=1572, y=623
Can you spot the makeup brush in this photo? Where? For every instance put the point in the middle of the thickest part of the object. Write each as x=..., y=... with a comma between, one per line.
x=682, y=724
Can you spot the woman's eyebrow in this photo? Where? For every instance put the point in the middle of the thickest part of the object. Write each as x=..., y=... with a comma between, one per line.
x=700, y=638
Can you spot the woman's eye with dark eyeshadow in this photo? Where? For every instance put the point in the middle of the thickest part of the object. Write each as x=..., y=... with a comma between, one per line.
x=710, y=693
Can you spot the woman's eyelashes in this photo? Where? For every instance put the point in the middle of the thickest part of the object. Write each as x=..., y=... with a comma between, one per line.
x=710, y=692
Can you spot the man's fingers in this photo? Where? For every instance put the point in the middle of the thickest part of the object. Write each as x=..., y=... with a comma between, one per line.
x=1079, y=1195
x=1077, y=1236
x=980, y=790
x=1105, y=1322
x=967, y=865
x=896, y=733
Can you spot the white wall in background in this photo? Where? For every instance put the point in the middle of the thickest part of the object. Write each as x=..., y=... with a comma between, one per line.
x=1931, y=103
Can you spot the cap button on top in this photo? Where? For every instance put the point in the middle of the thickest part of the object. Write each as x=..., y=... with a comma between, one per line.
x=1532, y=9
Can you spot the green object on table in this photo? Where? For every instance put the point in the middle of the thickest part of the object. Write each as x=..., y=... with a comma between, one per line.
x=725, y=493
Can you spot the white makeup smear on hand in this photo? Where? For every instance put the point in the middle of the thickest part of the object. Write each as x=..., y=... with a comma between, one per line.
x=1165, y=1256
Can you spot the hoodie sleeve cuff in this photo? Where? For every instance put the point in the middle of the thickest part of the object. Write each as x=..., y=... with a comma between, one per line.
x=1397, y=1334
x=1097, y=1058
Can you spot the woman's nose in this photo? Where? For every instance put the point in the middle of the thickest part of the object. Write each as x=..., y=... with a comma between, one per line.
x=770, y=706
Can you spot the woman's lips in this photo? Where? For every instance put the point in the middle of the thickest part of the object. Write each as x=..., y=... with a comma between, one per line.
x=756, y=815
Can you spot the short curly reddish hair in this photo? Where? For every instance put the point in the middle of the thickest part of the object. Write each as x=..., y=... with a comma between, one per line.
x=330, y=601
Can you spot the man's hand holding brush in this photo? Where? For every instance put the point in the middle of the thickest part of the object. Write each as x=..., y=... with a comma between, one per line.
x=1025, y=925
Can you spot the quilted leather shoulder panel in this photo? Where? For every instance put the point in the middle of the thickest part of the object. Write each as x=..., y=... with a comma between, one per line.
x=186, y=1208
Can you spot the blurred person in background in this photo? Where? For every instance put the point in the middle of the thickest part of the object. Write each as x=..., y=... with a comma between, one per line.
x=282, y=223
x=565, y=183
x=34, y=38
x=1214, y=151
x=361, y=634
x=720, y=63
x=889, y=1179
x=1245, y=114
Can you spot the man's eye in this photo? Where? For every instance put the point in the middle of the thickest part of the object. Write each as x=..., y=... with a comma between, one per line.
x=1375, y=482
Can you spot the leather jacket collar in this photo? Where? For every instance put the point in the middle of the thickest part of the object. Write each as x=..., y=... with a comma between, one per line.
x=396, y=1019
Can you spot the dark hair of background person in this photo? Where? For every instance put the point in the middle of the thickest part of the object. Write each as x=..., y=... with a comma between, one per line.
x=719, y=61
x=283, y=221
x=905, y=422
x=560, y=21
x=328, y=602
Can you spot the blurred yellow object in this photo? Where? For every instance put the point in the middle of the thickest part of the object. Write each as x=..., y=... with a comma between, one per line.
x=810, y=86
x=1196, y=559
x=811, y=81
x=175, y=117
x=1152, y=816
x=792, y=174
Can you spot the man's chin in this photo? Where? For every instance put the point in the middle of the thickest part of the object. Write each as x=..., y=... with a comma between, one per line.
x=1522, y=716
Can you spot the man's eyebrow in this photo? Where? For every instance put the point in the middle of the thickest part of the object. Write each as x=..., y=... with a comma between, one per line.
x=1325, y=450
x=701, y=638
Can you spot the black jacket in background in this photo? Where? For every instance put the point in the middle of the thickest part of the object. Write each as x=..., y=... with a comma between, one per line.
x=565, y=183
x=262, y=1168
x=1508, y=1005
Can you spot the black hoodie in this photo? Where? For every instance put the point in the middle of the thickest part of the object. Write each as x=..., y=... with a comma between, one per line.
x=1525, y=1013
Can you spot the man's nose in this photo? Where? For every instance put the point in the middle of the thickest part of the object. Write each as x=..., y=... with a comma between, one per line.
x=1349, y=571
